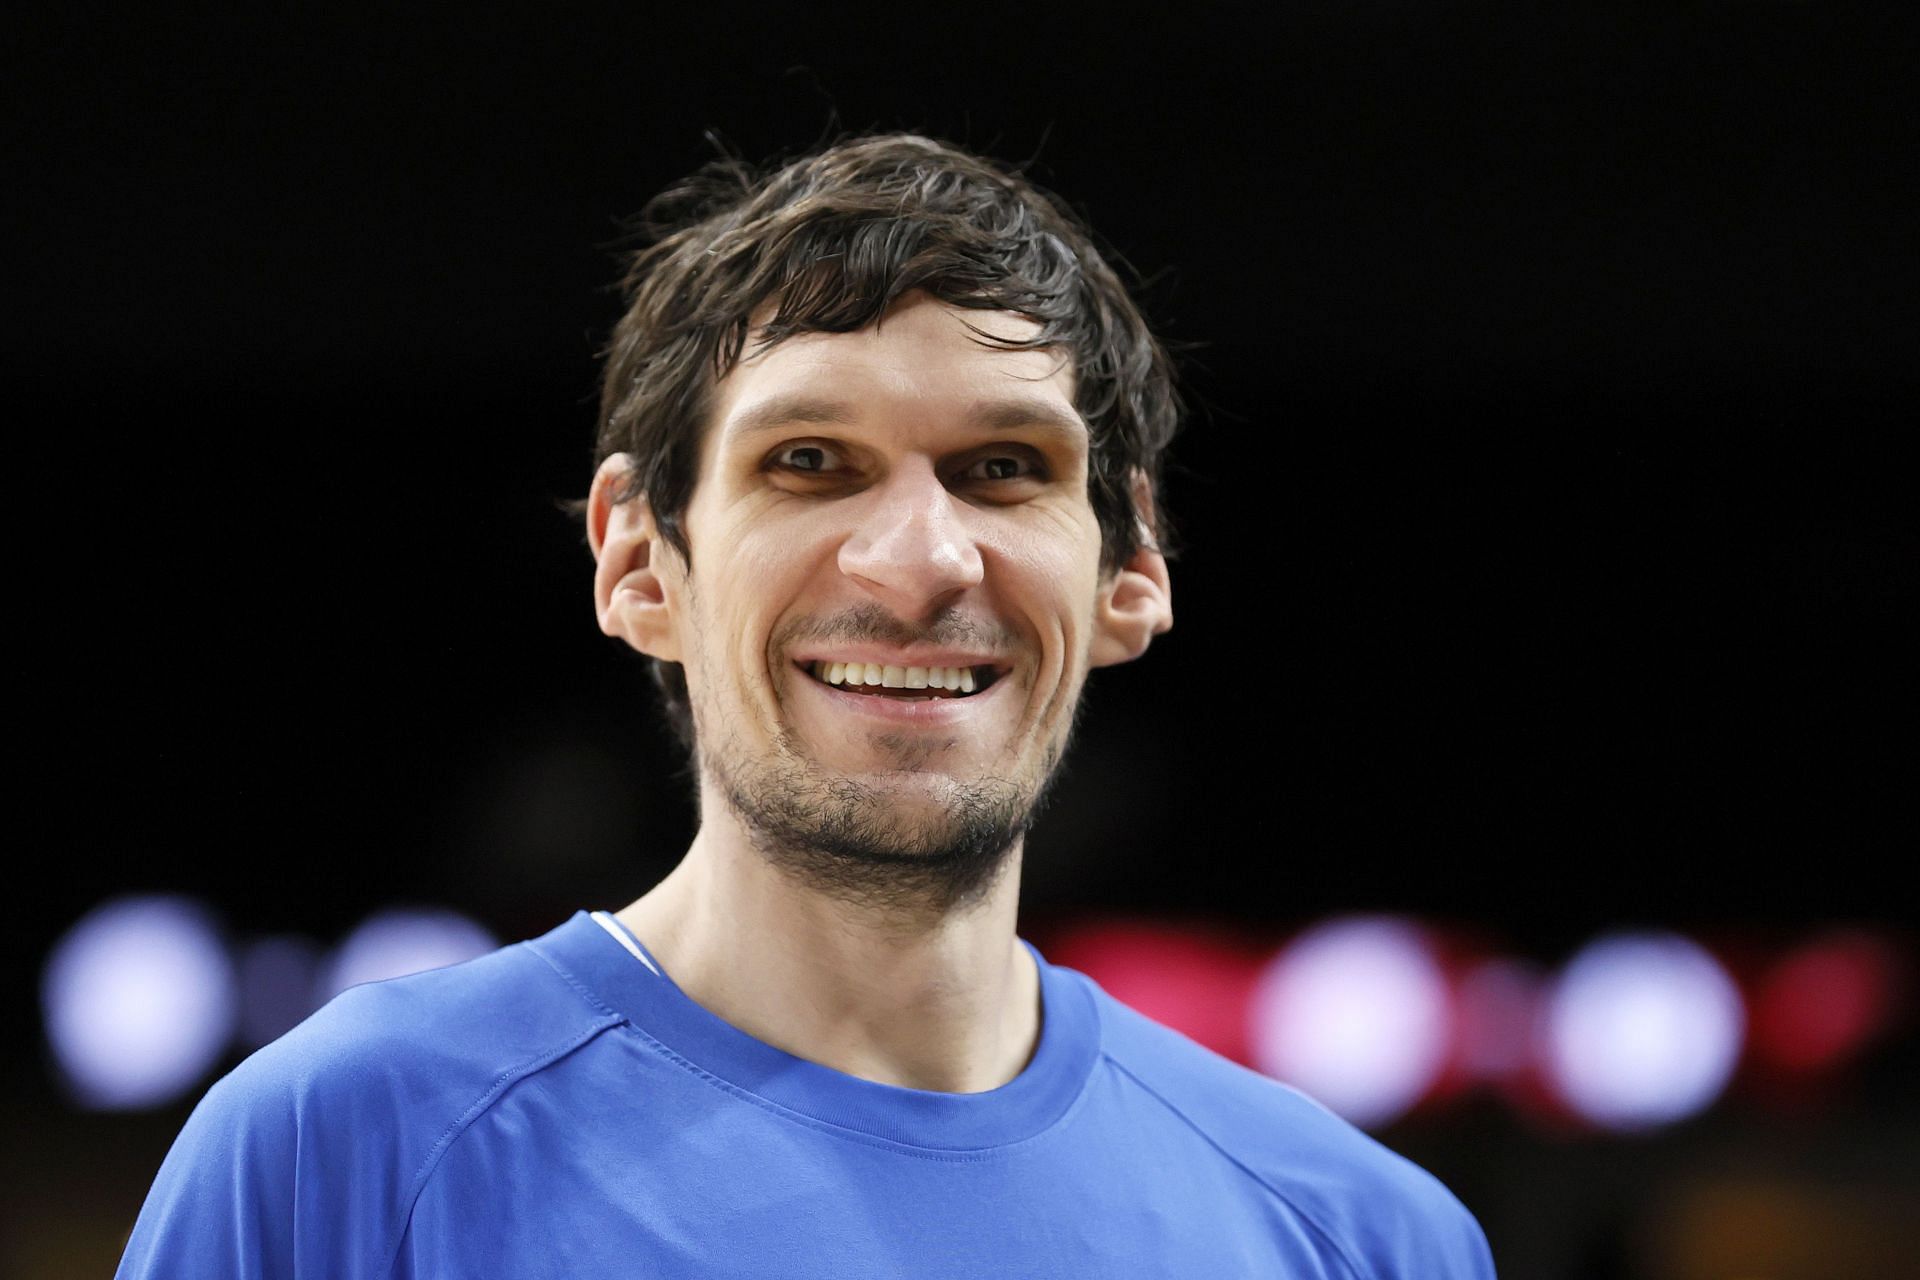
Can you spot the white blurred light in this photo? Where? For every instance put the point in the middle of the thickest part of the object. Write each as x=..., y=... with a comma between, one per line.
x=139, y=1001
x=394, y=943
x=1642, y=1029
x=277, y=986
x=1354, y=1013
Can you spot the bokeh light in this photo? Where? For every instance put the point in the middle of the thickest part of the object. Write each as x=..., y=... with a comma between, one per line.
x=1499, y=1006
x=1641, y=1030
x=1194, y=979
x=1355, y=1013
x=400, y=941
x=140, y=1001
x=1824, y=1001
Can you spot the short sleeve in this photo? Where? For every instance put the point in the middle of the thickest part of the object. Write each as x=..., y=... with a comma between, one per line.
x=223, y=1203
x=295, y=1165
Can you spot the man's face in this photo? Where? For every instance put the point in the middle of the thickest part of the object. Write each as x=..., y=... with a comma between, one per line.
x=903, y=503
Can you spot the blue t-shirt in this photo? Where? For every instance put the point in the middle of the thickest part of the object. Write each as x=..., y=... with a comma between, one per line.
x=559, y=1108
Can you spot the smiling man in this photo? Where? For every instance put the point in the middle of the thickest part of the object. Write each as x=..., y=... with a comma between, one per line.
x=877, y=491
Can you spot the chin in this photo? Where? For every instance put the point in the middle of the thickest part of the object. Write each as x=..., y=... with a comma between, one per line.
x=916, y=798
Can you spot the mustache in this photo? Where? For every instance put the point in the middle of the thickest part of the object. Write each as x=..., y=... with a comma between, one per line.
x=872, y=622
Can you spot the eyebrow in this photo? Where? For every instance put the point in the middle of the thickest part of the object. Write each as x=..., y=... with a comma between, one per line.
x=1014, y=414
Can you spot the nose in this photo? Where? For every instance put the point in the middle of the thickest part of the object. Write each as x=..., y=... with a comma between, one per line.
x=911, y=548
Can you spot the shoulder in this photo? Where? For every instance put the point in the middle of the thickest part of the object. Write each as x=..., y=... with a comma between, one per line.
x=339, y=1122
x=417, y=1050
x=1387, y=1214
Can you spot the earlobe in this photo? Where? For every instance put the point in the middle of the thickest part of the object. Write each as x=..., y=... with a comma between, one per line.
x=630, y=598
x=1136, y=601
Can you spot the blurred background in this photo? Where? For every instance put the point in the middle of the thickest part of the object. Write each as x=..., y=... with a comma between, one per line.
x=1530, y=770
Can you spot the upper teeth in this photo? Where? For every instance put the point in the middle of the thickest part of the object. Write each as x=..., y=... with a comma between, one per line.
x=892, y=677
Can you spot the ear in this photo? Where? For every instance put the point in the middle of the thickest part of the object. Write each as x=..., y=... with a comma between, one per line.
x=630, y=598
x=1136, y=600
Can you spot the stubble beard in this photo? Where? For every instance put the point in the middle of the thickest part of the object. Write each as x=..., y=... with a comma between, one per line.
x=934, y=852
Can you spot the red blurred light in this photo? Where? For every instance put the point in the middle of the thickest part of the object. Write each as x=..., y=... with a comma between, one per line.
x=1197, y=980
x=1823, y=1002
x=1499, y=1002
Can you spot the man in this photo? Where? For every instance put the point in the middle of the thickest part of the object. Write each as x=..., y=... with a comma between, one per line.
x=876, y=491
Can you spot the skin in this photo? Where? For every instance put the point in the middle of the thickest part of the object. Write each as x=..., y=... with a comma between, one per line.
x=905, y=527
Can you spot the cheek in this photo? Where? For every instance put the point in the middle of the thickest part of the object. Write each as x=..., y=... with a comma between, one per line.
x=760, y=575
x=769, y=564
x=1051, y=575
x=1062, y=554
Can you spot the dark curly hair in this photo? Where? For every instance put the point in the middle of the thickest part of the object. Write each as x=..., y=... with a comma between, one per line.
x=831, y=240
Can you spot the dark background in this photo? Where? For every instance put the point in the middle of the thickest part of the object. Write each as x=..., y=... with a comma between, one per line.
x=1548, y=567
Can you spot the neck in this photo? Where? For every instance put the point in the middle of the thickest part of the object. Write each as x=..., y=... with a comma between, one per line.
x=946, y=1001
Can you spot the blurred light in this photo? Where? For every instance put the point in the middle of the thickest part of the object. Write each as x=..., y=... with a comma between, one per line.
x=1498, y=1010
x=277, y=986
x=394, y=943
x=139, y=1001
x=1354, y=1012
x=1820, y=1004
x=1196, y=981
x=1642, y=1030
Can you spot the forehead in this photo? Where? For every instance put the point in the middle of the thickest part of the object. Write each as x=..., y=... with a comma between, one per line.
x=921, y=365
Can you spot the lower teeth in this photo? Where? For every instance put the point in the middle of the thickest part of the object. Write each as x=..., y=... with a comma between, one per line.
x=898, y=695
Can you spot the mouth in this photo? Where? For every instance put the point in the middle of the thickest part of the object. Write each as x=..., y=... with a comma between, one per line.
x=904, y=683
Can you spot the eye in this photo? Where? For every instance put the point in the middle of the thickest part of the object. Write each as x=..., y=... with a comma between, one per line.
x=810, y=459
x=1002, y=466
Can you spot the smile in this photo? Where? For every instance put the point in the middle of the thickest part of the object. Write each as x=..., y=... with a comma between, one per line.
x=908, y=683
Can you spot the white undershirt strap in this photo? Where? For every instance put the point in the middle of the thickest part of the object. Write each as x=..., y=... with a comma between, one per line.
x=622, y=937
